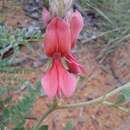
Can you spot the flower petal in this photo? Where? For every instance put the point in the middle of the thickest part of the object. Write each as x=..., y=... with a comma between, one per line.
x=49, y=82
x=73, y=65
x=58, y=37
x=64, y=36
x=76, y=25
x=50, y=41
x=67, y=81
x=45, y=16
x=58, y=81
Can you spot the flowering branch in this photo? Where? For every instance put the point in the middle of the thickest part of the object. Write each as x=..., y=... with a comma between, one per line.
x=50, y=110
x=63, y=27
x=97, y=100
x=101, y=99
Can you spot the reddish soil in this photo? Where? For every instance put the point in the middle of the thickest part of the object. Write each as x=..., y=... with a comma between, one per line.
x=99, y=79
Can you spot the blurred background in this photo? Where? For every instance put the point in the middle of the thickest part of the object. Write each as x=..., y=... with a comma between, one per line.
x=103, y=47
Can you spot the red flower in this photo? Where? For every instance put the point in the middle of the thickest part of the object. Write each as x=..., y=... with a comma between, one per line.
x=76, y=25
x=58, y=80
x=73, y=65
x=60, y=37
x=57, y=37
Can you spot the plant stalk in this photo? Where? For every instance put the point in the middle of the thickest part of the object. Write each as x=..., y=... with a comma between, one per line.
x=43, y=117
x=101, y=99
x=95, y=101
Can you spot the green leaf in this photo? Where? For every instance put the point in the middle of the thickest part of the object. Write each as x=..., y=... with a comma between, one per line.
x=5, y=115
x=120, y=99
x=69, y=126
x=44, y=127
x=8, y=99
x=6, y=112
x=17, y=117
x=18, y=129
x=3, y=90
x=126, y=93
x=1, y=103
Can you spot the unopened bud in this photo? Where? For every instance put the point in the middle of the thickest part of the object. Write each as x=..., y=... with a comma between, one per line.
x=60, y=7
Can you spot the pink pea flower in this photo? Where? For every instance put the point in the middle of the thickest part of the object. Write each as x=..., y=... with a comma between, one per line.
x=76, y=22
x=57, y=44
x=58, y=81
x=76, y=25
x=60, y=38
x=73, y=65
x=57, y=37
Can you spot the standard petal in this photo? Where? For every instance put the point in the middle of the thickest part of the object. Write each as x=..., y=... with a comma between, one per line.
x=76, y=25
x=64, y=36
x=58, y=37
x=50, y=41
x=49, y=82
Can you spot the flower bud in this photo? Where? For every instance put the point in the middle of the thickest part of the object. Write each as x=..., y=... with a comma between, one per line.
x=60, y=7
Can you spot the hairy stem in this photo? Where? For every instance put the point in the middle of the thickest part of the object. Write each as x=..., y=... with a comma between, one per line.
x=97, y=100
x=113, y=105
x=101, y=99
x=50, y=110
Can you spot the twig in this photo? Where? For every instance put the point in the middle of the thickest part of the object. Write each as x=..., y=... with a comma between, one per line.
x=110, y=47
x=50, y=110
x=97, y=100
x=101, y=99
x=102, y=34
x=42, y=118
x=30, y=118
x=119, y=107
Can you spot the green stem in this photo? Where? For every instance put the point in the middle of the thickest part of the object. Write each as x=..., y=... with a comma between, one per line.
x=82, y=104
x=101, y=99
x=113, y=105
x=50, y=110
x=97, y=100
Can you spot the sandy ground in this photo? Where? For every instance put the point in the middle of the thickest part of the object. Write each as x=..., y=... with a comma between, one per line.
x=99, y=79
